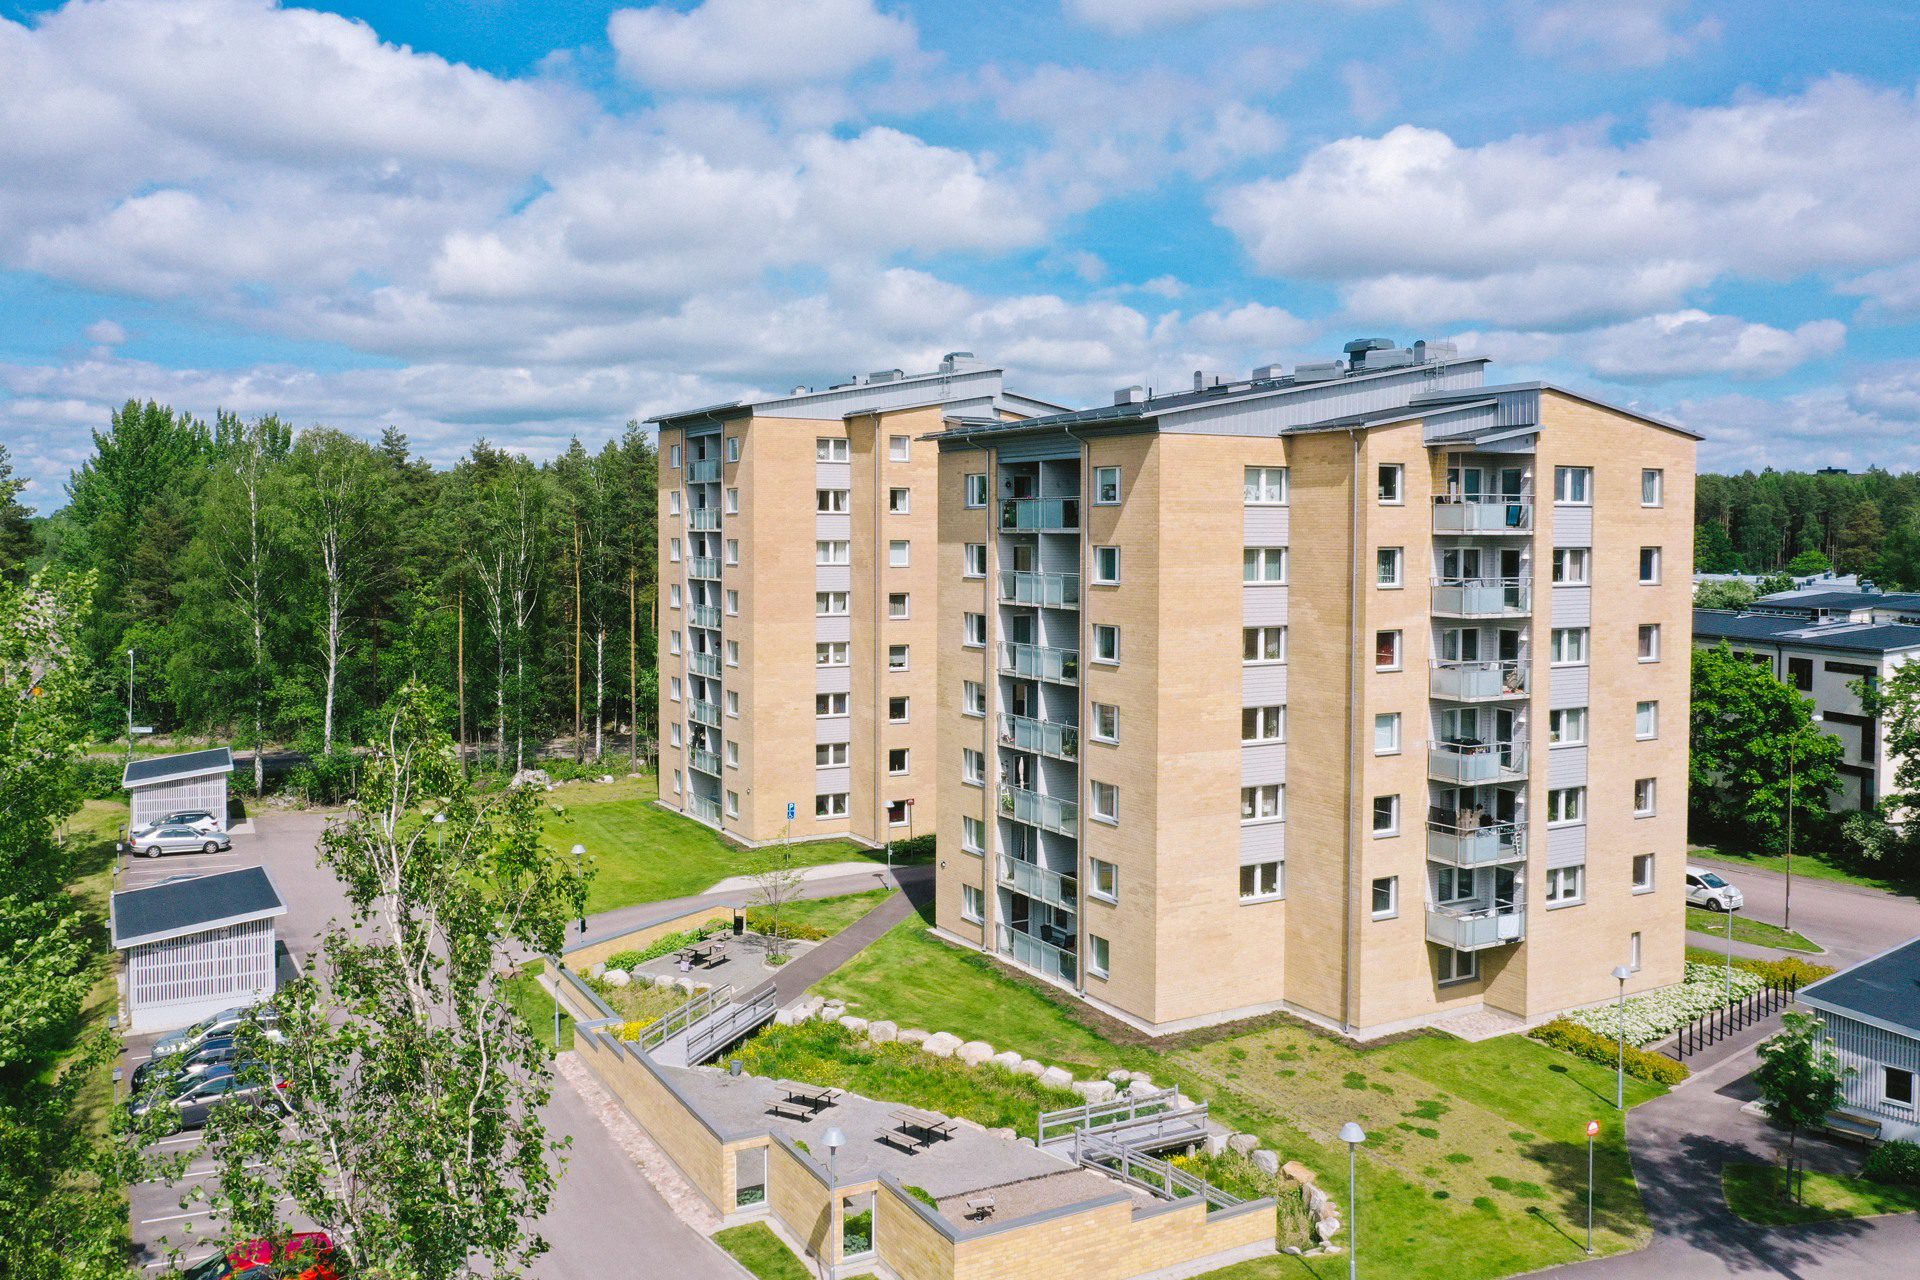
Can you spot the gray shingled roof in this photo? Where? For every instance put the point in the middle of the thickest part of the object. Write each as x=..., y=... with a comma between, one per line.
x=177, y=907
x=1885, y=989
x=1841, y=600
x=1774, y=628
x=188, y=764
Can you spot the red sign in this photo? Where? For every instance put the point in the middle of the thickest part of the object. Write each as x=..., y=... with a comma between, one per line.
x=1593, y=1128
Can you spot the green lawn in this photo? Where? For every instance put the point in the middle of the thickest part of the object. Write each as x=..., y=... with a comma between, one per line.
x=756, y=1248
x=1758, y=1193
x=1758, y=932
x=95, y=828
x=535, y=1005
x=1475, y=1165
x=1815, y=865
x=643, y=853
x=829, y=915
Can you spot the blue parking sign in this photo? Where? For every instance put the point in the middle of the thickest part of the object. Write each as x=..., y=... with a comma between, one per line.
x=789, y=811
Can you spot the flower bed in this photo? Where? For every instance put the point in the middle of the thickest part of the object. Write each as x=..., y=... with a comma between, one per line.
x=662, y=946
x=1650, y=1017
x=637, y=1006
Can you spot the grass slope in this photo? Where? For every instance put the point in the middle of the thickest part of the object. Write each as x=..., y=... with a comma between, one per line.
x=1758, y=932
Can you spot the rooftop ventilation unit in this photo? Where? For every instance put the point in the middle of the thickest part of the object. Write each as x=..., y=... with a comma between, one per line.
x=1427, y=352
x=1204, y=381
x=1395, y=358
x=1269, y=373
x=886, y=375
x=1359, y=347
x=1318, y=371
x=1130, y=395
x=801, y=391
x=958, y=362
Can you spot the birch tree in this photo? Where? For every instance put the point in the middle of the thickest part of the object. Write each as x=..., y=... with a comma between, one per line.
x=337, y=494
x=500, y=524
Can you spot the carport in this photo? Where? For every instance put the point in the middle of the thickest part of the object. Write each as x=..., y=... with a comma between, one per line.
x=160, y=785
x=196, y=945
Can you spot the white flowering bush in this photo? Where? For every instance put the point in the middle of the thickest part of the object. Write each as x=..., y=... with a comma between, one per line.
x=1650, y=1017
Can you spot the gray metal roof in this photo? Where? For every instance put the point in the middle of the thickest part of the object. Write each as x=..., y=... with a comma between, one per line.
x=1813, y=601
x=194, y=905
x=188, y=764
x=1775, y=628
x=1884, y=990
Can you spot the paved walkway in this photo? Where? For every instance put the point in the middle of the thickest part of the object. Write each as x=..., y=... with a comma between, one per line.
x=792, y=981
x=640, y=915
x=1851, y=922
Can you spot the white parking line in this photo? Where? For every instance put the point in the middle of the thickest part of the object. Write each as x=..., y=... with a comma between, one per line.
x=179, y=1141
x=176, y=1217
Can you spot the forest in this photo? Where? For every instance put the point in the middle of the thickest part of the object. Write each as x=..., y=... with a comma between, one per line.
x=1805, y=522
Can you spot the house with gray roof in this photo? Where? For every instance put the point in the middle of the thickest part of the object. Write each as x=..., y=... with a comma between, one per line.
x=1872, y=1014
x=195, y=945
x=159, y=785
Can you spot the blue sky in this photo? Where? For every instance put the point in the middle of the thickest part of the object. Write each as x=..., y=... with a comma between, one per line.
x=534, y=220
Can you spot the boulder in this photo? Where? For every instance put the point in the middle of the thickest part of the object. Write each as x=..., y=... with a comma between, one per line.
x=1141, y=1078
x=687, y=985
x=831, y=1010
x=1298, y=1172
x=1005, y=1132
x=1319, y=1204
x=1029, y=1067
x=880, y=1031
x=853, y=1024
x=605, y=777
x=1120, y=1078
x=941, y=1044
x=1056, y=1078
x=1214, y=1143
x=1008, y=1061
x=595, y=970
x=814, y=1004
x=616, y=977
x=974, y=1052
x=1094, y=1090
x=912, y=1035
x=1266, y=1161
x=783, y=1017
x=532, y=778
x=1244, y=1143
x=1327, y=1228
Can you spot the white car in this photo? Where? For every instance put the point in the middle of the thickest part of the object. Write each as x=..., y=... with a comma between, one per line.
x=1707, y=889
x=198, y=819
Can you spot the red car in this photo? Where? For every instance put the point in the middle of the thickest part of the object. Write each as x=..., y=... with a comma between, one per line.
x=305, y=1255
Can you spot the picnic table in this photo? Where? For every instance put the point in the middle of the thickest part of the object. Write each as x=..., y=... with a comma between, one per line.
x=803, y=1101
x=704, y=954
x=921, y=1129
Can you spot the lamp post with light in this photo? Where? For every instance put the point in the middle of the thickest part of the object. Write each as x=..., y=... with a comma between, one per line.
x=1622, y=973
x=1353, y=1135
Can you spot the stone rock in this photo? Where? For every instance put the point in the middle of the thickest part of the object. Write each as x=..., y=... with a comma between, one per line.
x=1094, y=1090
x=1327, y=1228
x=687, y=985
x=1319, y=1204
x=974, y=1052
x=1244, y=1143
x=1214, y=1143
x=814, y=1004
x=532, y=778
x=783, y=1017
x=1141, y=1078
x=1120, y=1078
x=880, y=1031
x=941, y=1044
x=853, y=1024
x=1025, y=1141
x=1007, y=1061
x=616, y=977
x=912, y=1035
x=605, y=777
x=595, y=970
x=1006, y=1133
x=1029, y=1067
x=1266, y=1161
x=1056, y=1078
x=1298, y=1172
x=832, y=1009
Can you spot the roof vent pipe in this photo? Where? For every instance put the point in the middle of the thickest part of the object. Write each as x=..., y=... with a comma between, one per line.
x=801, y=391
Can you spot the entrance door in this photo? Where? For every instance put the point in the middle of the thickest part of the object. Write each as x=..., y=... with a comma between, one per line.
x=1509, y=642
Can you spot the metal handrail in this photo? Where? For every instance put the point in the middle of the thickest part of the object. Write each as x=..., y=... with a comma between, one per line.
x=1040, y=662
x=1095, y=1152
x=680, y=1017
x=1037, y=881
x=1127, y=1106
x=1034, y=809
x=1042, y=590
x=729, y=1024
x=1036, y=514
x=1024, y=733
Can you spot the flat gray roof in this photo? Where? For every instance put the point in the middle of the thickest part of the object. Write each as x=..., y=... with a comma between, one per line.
x=188, y=764
x=1884, y=990
x=1815, y=600
x=174, y=908
x=1776, y=628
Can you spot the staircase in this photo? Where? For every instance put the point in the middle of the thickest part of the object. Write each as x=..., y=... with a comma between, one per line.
x=1137, y=1122
x=708, y=1024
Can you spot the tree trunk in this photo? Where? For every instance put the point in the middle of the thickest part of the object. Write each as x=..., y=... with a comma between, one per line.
x=599, y=690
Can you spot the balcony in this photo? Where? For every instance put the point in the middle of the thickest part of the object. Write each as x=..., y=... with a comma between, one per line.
x=704, y=664
x=703, y=808
x=707, y=518
x=1483, y=513
x=1045, y=590
x=1476, y=926
x=1037, y=662
x=1045, y=812
x=1040, y=515
x=705, y=615
x=1024, y=948
x=1483, y=597
x=1459, y=840
x=704, y=471
x=1467, y=764
x=1061, y=741
x=1478, y=681
x=704, y=761
x=703, y=567
x=1036, y=881
x=707, y=713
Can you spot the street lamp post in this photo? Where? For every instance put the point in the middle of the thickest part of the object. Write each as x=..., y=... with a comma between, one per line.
x=834, y=1140
x=1621, y=972
x=1353, y=1135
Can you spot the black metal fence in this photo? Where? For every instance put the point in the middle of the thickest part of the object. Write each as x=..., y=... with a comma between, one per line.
x=1717, y=1025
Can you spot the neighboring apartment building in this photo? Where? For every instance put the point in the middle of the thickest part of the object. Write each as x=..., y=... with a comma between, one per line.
x=1825, y=660
x=1359, y=691
x=797, y=604
x=1837, y=601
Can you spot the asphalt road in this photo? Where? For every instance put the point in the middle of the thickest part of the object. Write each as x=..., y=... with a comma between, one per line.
x=1850, y=922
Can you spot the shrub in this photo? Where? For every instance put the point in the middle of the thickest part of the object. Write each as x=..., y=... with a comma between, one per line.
x=634, y=1027
x=1791, y=971
x=912, y=850
x=1652, y=1016
x=325, y=779
x=921, y=1194
x=661, y=946
x=1583, y=1042
x=760, y=920
x=1897, y=1164
x=750, y=1195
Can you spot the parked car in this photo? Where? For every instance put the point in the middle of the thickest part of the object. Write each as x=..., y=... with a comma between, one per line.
x=1707, y=889
x=178, y=840
x=305, y=1255
x=198, y=819
x=223, y=1023
x=214, y=1051
x=197, y=1096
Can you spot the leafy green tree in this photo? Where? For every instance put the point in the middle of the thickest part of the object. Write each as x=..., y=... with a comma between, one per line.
x=1723, y=595
x=1899, y=565
x=417, y=1141
x=1774, y=583
x=18, y=544
x=337, y=505
x=1861, y=537
x=1800, y=1077
x=1713, y=550
x=1809, y=562
x=1888, y=837
x=1750, y=733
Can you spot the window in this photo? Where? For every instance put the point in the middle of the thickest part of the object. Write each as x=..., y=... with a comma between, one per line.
x=1646, y=720
x=673, y=455
x=1800, y=674
x=1106, y=642
x=1390, y=484
x=1573, y=486
x=1566, y=885
x=1106, y=722
x=899, y=447
x=1643, y=873
x=1386, y=651
x=1458, y=966
x=1568, y=647
x=733, y=551
x=1566, y=805
x=1106, y=486
x=673, y=688
x=899, y=501
x=897, y=709
x=1259, y=881
x=673, y=595
x=827, y=755
x=733, y=804
x=673, y=502
x=973, y=835
x=899, y=553
x=829, y=603
x=1896, y=1086
x=673, y=735
x=676, y=782
x=1645, y=797
x=830, y=653
x=829, y=704
x=1106, y=566
x=673, y=549
x=1386, y=815
x=1386, y=897
x=975, y=486
x=1386, y=734
x=973, y=629
x=833, y=502
x=1098, y=954
x=973, y=697
x=897, y=605
x=833, y=805
x=733, y=703
x=897, y=655
x=1266, y=486
x=1570, y=566
x=975, y=564
x=1386, y=567
x=899, y=812
x=830, y=450
x=898, y=760
x=1452, y=884
x=1653, y=487
x=733, y=448
x=1106, y=880
x=830, y=553
x=973, y=767
x=1106, y=801
x=1567, y=726
x=1649, y=566
x=1263, y=724
x=733, y=653
x=733, y=755
x=673, y=642
x=733, y=502
x=1264, y=564
x=1264, y=803
x=1263, y=644
x=973, y=903
x=1650, y=642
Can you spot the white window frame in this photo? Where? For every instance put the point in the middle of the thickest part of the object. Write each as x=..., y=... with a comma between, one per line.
x=973, y=767
x=733, y=704
x=973, y=698
x=733, y=502
x=1100, y=631
x=673, y=642
x=973, y=903
x=673, y=502
x=973, y=630
x=1267, y=486
x=1269, y=881
x=835, y=755
x=1259, y=636
x=1399, y=660
x=1257, y=564
x=899, y=606
x=974, y=489
x=973, y=563
x=673, y=455
x=673, y=550
x=1653, y=487
x=1105, y=711
x=1566, y=806
x=899, y=553
x=1102, y=477
x=899, y=657
x=835, y=704
x=899, y=448
x=1646, y=720
x=1392, y=494
x=832, y=551
x=1392, y=909
x=1098, y=870
x=1648, y=639
x=1103, y=802
x=673, y=734
x=1652, y=805
x=905, y=755
x=829, y=805
x=1887, y=1071
x=673, y=595
x=733, y=754
x=1269, y=725
x=829, y=599
x=1099, y=956
x=832, y=502
x=673, y=688
x=733, y=804
x=1566, y=886
x=1562, y=641
x=973, y=834
x=1572, y=566
x=831, y=449
x=1451, y=966
x=1253, y=799
x=733, y=551
x=1650, y=558
x=899, y=500
x=1646, y=862
x=1101, y=577
x=1389, y=568
x=1573, y=486
x=830, y=653
x=1392, y=813
x=733, y=448
x=1567, y=727
x=1389, y=722
x=906, y=709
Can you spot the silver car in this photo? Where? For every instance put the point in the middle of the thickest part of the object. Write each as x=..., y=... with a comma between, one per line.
x=198, y=819
x=224, y=1023
x=178, y=840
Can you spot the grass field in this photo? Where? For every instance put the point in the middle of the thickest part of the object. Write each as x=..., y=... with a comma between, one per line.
x=1814, y=866
x=1475, y=1164
x=1758, y=932
x=756, y=1248
x=828, y=915
x=94, y=828
x=1758, y=1193
x=643, y=853
x=535, y=1006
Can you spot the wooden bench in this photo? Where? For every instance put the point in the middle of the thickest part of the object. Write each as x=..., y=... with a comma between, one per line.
x=921, y=1128
x=980, y=1208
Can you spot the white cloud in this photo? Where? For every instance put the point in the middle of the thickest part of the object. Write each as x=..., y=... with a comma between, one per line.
x=107, y=333
x=733, y=45
x=1629, y=33
x=1864, y=422
x=1131, y=17
x=1672, y=345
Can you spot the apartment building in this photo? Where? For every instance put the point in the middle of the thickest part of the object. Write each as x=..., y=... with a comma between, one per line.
x=797, y=613
x=1358, y=690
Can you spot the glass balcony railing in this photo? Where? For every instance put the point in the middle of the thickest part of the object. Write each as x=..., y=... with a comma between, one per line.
x=1045, y=812
x=1464, y=763
x=704, y=761
x=1037, y=662
x=1483, y=513
x=1022, y=733
x=1047, y=590
x=1037, y=954
x=1038, y=882
x=1478, y=681
x=705, y=615
x=704, y=664
x=1476, y=926
x=1464, y=840
x=1039, y=515
x=707, y=713
x=1483, y=597
x=704, y=567
x=707, y=518
x=701, y=807
x=703, y=471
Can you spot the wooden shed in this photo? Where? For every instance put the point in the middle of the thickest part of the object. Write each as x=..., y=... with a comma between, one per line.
x=197, y=945
x=159, y=785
